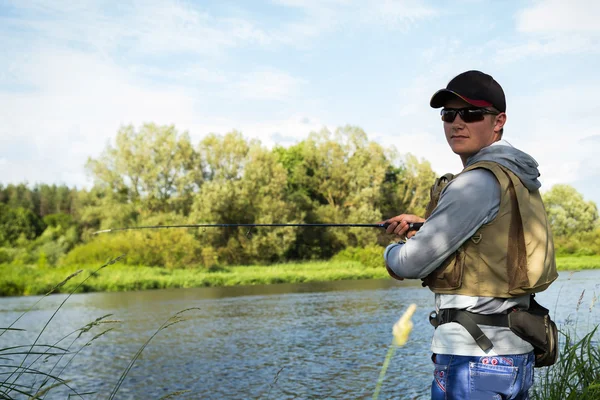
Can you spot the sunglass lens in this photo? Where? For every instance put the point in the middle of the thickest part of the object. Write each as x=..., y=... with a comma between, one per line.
x=472, y=115
x=448, y=115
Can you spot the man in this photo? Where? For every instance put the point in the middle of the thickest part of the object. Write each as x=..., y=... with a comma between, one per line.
x=484, y=247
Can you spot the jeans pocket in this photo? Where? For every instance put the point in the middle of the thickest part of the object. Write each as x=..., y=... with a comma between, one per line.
x=440, y=373
x=492, y=379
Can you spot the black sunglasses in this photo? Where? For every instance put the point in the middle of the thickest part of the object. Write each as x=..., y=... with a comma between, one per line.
x=467, y=114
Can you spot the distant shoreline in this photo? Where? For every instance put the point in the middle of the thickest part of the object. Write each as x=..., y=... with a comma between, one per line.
x=26, y=280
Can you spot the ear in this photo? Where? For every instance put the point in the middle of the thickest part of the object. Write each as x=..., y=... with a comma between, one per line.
x=499, y=122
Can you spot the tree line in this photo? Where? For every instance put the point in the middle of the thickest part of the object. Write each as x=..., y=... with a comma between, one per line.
x=155, y=175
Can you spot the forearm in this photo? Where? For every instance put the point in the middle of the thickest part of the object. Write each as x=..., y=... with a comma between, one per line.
x=422, y=254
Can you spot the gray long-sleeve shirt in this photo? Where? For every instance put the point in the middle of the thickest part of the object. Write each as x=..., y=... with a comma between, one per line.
x=469, y=201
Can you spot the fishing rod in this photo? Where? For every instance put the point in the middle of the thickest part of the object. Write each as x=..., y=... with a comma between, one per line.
x=411, y=226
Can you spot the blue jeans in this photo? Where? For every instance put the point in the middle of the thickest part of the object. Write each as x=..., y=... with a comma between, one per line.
x=489, y=377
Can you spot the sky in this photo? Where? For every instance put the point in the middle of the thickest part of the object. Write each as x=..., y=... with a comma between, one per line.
x=72, y=73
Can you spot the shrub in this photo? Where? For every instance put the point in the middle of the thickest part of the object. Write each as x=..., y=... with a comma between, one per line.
x=580, y=244
x=176, y=248
x=370, y=256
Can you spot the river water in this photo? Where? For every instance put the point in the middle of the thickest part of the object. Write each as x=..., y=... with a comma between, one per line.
x=288, y=341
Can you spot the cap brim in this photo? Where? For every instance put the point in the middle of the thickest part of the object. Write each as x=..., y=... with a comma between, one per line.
x=441, y=97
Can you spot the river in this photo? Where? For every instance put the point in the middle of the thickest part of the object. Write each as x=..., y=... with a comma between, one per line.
x=287, y=341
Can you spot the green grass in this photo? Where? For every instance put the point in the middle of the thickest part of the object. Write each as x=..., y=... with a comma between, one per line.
x=576, y=375
x=575, y=263
x=31, y=280
x=18, y=280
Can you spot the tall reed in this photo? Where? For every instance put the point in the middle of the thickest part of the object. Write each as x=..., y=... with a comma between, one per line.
x=25, y=370
x=576, y=375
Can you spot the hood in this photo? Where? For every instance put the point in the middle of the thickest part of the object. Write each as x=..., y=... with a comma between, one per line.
x=518, y=162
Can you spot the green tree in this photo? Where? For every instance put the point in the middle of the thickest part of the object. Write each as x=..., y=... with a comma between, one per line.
x=224, y=157
x=292, y=159
x=20, y=195
x=406, y=187
x=245, y=184
x=65, y=200
x=341, y=173
x=568, y=212
x=18, y=224
x=101, y=208
x=156, y=166
x=48, y=204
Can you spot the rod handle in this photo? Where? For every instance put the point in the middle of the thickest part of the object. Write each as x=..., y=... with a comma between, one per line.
x=413, y=226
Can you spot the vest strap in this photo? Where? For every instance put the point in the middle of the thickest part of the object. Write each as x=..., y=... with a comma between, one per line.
x=469, y=321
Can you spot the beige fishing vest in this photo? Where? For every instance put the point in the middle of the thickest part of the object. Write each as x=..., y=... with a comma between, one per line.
x=511, y=256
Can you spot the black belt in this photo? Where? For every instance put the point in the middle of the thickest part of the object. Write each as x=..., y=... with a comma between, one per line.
x=469, y=321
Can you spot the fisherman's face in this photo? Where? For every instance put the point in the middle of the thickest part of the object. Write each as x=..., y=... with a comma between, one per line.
x=466, y=139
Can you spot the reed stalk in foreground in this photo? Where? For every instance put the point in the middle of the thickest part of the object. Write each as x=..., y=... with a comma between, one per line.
x=175, y=319
x=19, y=379
x=401, y=331
x=576, y=375
x=8, y=386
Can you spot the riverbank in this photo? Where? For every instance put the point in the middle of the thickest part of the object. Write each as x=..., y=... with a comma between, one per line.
x=19, y=280
x=31, y=280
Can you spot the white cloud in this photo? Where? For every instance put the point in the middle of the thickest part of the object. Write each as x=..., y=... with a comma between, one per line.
x=396, y=14
x=78, y=105
x=185, y=75
x=559, y=16
x=174, y=27
x=555, y=27
x=267, y=84
x=330, y=15
x=556, y=130
x=548, y=46
x=170, y=27
x=141, y=27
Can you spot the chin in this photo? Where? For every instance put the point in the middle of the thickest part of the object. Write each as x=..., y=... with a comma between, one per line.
x=458, y=149
x=462, y=151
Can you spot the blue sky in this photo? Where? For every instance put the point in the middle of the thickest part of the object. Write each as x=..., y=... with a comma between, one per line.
x=72, y=73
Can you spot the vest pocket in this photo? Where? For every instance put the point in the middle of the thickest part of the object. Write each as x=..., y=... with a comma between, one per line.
x=448, y=275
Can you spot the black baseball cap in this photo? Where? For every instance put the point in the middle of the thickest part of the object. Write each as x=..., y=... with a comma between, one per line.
x=474, y=87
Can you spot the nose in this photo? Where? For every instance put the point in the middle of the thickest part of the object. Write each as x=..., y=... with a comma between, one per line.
x=458, y=123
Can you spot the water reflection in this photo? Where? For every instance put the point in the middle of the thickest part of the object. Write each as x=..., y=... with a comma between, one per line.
x=317, y=340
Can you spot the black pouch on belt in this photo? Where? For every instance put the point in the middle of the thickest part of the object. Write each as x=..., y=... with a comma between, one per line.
x=535, y=326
